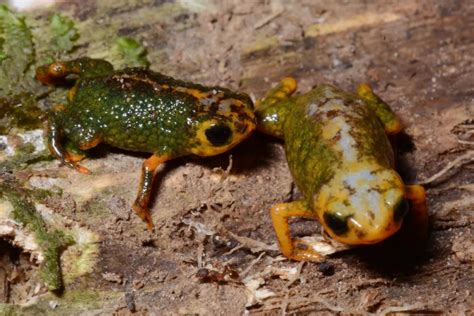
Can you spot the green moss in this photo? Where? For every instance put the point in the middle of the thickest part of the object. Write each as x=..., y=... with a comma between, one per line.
x=64, y=34
x=18, y=52
x=71, y=303
x=17, y=55
x=24, y=155
x=133, y=52
x=52, y=242
x=8, y=310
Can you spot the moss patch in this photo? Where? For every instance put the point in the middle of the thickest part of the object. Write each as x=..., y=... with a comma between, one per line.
x=51, y=241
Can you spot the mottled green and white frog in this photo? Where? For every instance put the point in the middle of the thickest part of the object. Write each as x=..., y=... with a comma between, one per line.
x=141, y=110
x=342, y=161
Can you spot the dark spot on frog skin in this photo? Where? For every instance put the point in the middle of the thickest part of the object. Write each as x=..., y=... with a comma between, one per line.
x=218, y=135
x=337, y=223
x=371, y=215
x=400, y=210
x=351, y=190
x=333, y=113
x=323, y=101
x=359, y=233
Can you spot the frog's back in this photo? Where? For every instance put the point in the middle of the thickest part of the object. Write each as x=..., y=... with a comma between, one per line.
x=138, y=109
x=330, y=132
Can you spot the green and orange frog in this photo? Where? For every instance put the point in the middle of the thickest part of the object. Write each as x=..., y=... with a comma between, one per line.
x=342, y=161
x=140, y=110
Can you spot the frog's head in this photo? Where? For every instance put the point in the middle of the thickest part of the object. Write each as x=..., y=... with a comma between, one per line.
x=224, y=120
x=364, y=206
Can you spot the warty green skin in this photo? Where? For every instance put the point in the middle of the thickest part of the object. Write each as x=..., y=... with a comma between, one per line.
x=131, y=110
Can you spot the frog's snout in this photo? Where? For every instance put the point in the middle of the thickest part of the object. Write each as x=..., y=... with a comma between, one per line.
x=49, y=74
x=363, y=207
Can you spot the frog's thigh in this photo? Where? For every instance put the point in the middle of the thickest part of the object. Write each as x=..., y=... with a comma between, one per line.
x=89, y=143
x=140, y=206
x=296, y=250
x=417, y=219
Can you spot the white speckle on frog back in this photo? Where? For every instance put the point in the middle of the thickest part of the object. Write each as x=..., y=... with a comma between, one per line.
x=359, y=179
x=344, y=143
x=312, y=109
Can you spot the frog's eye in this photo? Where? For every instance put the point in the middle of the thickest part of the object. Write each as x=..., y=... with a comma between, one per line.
x=218, y=134
x=400, y=210
x=337, y=223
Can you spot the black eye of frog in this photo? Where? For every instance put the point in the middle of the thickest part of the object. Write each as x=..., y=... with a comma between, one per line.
x=218, y=135
x=337, y=223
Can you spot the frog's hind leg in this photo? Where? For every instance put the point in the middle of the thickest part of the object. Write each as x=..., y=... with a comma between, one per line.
x=294, y=249
x=383, y=111
x=140, y=206
x=56, y=73
x=54, y=138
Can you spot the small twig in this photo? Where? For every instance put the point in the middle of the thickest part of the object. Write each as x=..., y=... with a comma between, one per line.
x=200, y=252
x=458, y=162
x=252, y=244
x=465, y=142
x=334, y=308
x=268, y=19
x=229, y=167
x=297, y=274
x=233, y=250
x=403, y=308
x=254, y=262
x=284, y=303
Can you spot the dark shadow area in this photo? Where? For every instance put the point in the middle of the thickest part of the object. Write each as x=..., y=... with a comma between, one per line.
x=253, y=154
x=9, y=259
x=401, y=255
x=402, y=145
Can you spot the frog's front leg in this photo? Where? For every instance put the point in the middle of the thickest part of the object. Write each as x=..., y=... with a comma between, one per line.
x=54, y=137
x=383, y=111
x=56, y=73
x=272, y=109
x=294, y=249
x=283, y=90
x=140, y=206
x=417, y=219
